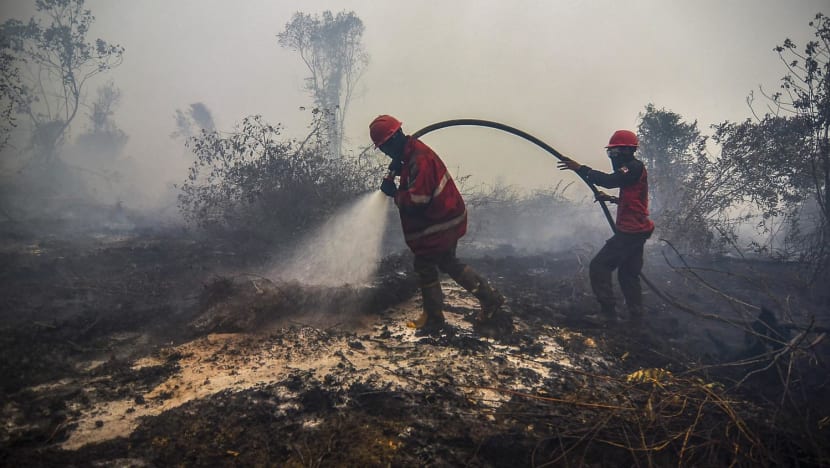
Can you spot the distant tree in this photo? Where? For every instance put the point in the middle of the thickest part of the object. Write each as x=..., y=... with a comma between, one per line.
x=691, y=193
x=10, y=85
x=103, y=135
x=668, y=147
x=191, y=122
x=771, y=157
x=331, y=47
x=202, y=116
x=47, y=63
x=103, y=108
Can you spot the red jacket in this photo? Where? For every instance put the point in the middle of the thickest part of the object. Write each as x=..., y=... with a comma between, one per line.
x=433, y=215
x=632, y=179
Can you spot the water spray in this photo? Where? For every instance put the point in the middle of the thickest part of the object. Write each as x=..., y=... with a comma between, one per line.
x=346, y=250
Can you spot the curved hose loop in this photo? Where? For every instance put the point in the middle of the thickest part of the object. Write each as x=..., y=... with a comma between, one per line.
x=544, y=146
x=519, y=133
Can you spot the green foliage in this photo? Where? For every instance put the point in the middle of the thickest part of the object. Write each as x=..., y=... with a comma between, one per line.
x=47, y=62
x=688, y=198
x=253, y=180
x=701, y=200
x=771, y=157
x=668, y=148
x=777, y=165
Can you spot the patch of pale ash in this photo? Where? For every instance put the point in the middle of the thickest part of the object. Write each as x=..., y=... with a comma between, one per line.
x=387, y=355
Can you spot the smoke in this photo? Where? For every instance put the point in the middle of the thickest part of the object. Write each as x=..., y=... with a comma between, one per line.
x=345, y=250
x=555, y=228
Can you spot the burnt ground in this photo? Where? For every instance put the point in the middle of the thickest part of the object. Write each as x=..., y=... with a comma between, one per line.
x=164, y=349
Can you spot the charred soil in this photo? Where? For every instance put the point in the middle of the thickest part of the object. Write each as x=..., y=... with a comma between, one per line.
x=163, y=349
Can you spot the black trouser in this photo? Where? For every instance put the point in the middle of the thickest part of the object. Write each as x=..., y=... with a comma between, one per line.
x=427, y=266
x=624, y=253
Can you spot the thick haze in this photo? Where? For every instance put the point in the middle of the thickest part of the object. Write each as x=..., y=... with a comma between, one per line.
x=568, y=72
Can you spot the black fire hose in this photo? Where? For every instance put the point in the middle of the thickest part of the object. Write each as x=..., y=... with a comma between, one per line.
x=558, y=155
x=519, y=133
x=561, y=157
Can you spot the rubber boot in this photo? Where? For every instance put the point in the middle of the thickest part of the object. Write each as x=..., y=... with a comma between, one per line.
x=491, y=301
x=607, y=315
x=432, y=316
x=489, y=298
x=635, y=314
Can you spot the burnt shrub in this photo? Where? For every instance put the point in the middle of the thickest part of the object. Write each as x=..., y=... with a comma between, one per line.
x=255, y=181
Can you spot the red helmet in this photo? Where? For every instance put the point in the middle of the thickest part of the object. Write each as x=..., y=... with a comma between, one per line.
x=382, y=128
x=623, y=138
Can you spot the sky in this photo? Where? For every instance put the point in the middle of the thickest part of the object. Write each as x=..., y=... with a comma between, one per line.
x=569, y=72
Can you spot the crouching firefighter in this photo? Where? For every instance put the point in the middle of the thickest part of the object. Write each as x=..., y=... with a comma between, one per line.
x=433, y=217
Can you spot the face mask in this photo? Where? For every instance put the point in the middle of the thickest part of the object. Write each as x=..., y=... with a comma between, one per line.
x=393, y=147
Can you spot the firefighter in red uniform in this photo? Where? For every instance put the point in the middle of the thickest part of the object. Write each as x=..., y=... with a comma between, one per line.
x=433, y=217
x=623, y=251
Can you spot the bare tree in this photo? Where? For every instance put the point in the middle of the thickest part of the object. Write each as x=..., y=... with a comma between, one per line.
x=331, y=47
x=50, y=62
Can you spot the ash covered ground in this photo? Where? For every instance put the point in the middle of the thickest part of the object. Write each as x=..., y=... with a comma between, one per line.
x=162, y=349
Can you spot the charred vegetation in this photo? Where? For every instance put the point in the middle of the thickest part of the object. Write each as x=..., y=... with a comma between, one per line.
x=161, y=349
x=137, y=339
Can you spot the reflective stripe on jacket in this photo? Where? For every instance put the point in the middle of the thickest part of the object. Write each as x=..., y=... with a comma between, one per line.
x=432, y=211
x=632, y=179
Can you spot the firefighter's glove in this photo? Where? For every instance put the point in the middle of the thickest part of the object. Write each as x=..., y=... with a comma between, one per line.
x=604, y=197
x=388, y=187
x=569, y=164
x=395, y=167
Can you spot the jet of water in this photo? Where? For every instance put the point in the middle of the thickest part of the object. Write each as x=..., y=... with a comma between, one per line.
x=345, y=250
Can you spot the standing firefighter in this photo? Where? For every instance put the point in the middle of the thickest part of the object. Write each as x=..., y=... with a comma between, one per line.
x=623, y=251
x=433, y=217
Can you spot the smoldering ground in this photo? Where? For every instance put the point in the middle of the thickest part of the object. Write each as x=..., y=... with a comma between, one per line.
x=269, y=327
x=167, y=349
